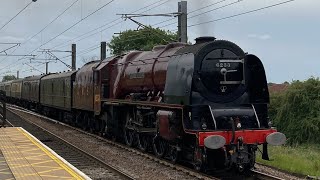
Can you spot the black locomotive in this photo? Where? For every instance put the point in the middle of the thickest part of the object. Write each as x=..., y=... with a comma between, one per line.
x=205, y=104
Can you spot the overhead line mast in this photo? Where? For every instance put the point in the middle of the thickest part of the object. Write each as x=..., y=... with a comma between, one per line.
x=182, y=20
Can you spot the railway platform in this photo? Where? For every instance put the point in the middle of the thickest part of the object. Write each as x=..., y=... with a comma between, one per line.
x=24, y=157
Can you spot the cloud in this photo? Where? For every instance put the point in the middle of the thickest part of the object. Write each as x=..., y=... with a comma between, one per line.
x=260, y=36
x=64, y=37
x=11, y=39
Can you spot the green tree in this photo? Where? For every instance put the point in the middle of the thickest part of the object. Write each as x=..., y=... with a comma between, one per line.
x=144, y=39
x=296, y=112
x=8, y=78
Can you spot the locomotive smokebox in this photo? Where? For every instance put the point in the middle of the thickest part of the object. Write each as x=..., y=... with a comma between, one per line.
x=204, y=39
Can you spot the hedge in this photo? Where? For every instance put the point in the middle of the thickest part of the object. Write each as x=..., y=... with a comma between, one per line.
x=296, y=111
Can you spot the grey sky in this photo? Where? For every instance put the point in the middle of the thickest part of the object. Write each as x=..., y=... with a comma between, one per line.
x=285, y=37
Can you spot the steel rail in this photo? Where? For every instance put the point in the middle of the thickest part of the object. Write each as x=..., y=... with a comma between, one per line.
x=264, y=176
x=109, y=166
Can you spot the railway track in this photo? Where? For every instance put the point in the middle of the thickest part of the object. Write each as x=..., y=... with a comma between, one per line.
x=85, y=162
x=254, y=174
x=77, y=132
x=264, y=176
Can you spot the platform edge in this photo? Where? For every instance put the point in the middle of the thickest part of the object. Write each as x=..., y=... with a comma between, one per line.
x=58, y=156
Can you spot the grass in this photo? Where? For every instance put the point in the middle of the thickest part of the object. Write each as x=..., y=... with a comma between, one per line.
x=303, y=159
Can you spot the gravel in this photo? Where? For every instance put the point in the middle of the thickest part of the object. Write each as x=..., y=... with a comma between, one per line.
x=275, y=172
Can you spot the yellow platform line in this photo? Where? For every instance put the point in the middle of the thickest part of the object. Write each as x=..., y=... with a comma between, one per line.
x=58, y=161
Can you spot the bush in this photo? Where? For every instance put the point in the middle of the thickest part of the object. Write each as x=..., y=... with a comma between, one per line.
x=296, y=112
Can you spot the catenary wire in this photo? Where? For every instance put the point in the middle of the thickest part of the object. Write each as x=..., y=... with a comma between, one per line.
x=73, y=25
x=45, y=26
x=193, y=11
x=243, y=13
x=8, y=56
x=220, y=7
x=51, y=22
x=115, y=20
x=15, y=15
x=235, y=2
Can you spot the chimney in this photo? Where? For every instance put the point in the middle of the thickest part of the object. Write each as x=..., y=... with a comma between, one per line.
x=103, y=51
x=73, y=56
x=204, y=39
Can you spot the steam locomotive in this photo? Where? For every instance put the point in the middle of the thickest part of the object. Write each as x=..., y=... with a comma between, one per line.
x=204, y=104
